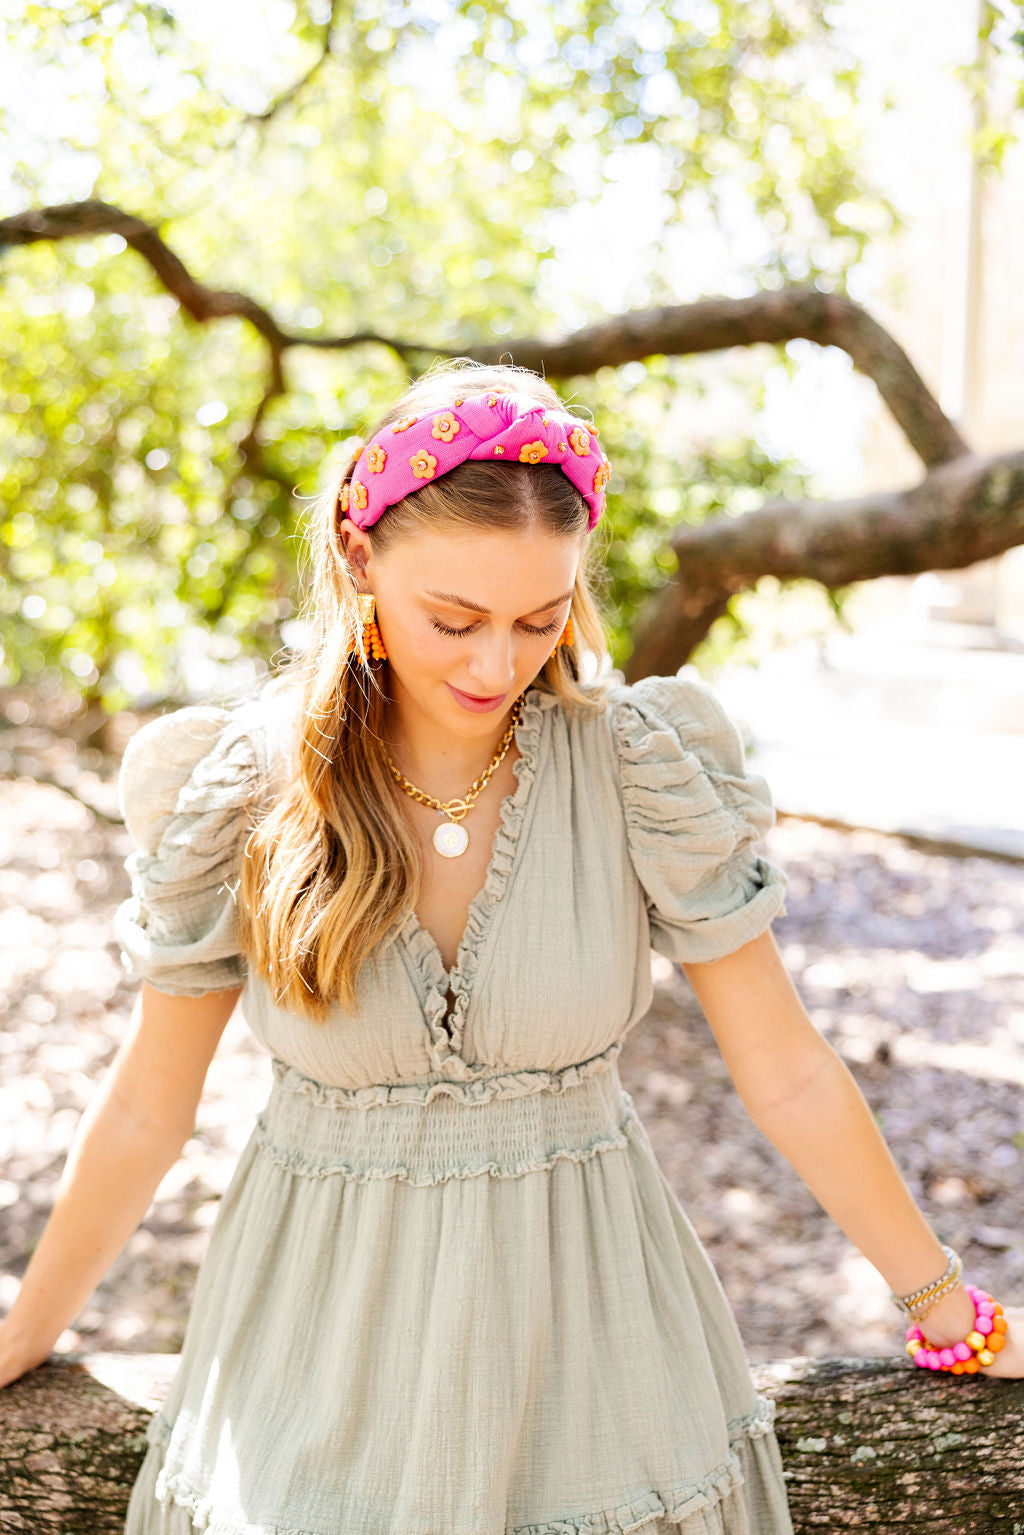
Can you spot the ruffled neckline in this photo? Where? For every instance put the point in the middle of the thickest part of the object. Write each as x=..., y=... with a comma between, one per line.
x=435, y=979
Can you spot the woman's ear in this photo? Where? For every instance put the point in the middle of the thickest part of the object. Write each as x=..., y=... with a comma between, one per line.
x=354, y=543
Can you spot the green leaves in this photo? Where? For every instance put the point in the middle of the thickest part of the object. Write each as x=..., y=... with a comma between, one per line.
x=392, y=181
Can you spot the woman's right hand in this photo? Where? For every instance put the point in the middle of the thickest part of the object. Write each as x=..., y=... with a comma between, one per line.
x=17, y=1358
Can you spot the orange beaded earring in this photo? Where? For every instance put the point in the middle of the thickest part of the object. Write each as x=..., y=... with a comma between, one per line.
x=373, y=645
x=566, y=636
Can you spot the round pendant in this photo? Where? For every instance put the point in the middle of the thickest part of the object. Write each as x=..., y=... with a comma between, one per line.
x=451, y=839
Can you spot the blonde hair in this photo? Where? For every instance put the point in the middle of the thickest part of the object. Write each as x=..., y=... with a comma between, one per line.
x=332, y=869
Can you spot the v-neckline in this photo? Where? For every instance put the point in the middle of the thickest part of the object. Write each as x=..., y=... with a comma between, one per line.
x=446, y=1026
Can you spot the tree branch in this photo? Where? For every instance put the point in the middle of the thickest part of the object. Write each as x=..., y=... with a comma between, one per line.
x=864, y=1443
x=298, y=86
x=678, y=330
x=968, y=510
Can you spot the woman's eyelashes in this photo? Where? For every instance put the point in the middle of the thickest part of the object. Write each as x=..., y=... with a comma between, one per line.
x=530, y=628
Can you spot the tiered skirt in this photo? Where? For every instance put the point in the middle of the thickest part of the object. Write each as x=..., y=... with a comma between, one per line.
x=458, y=1309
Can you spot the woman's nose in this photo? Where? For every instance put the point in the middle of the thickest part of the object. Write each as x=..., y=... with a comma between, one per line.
x=494, y=660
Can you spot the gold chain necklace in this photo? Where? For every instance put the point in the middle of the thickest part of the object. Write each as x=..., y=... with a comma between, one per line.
x=451, y=839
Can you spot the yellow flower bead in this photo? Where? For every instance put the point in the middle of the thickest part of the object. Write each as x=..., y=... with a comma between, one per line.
x=376, y=458
x=532, y=452
x=360, y=495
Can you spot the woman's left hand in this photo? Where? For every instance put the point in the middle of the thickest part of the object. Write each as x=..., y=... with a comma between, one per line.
x=1009, y=1362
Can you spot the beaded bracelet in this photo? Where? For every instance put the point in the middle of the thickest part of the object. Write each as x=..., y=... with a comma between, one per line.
x=980, y=1346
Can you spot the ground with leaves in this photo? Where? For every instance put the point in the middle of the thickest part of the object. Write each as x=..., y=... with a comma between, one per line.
x=910, y=964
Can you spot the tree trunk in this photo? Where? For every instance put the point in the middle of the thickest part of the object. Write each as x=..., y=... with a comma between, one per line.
x=72, y=1438
x=880, y=1445
x=872, y=1444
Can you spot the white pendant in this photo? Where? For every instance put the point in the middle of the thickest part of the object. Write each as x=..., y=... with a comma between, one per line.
x=451, y=839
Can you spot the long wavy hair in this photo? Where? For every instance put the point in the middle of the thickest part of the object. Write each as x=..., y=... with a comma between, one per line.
x=331, y=868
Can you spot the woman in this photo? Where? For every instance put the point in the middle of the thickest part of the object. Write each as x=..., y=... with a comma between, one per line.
x=449, y=1290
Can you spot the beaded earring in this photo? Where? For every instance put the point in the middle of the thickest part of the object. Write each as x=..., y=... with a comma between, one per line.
x=566, y=636
x=373, y=645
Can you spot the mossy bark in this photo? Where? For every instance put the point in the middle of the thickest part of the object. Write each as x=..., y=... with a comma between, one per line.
x=880, y=1445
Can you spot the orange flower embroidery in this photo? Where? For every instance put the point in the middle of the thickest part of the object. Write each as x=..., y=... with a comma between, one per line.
x=602, y=476
x=579, y=440
x=376, y=458
x=444, y=427
x=423, y=465
x=532, y=452
x=405, y=423
x=343, y=496
x=359, y=495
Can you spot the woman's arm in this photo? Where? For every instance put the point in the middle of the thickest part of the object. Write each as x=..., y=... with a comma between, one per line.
x=801, y=1095
x=131, y=1132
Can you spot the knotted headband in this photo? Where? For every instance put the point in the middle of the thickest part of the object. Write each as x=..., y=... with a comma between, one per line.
x=497, y=425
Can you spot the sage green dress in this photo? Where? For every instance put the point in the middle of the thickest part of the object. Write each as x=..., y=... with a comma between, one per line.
x=449, y=1290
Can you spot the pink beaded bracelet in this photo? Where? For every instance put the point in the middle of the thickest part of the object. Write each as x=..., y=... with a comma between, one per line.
x=980, y=1347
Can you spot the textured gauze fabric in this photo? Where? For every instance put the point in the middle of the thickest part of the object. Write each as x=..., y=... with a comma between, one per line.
x=449, y=1289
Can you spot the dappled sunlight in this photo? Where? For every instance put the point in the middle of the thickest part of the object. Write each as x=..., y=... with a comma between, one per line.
x=908, y=963
x=857, y=1305
x=987, y=1062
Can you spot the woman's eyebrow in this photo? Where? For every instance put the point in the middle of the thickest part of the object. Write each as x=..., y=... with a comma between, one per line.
x=464, y=602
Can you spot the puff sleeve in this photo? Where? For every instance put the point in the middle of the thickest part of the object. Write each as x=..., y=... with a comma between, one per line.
x=186, y=782
x=692, y=815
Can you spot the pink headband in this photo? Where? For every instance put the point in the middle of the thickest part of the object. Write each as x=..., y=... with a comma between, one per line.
x=498, y=425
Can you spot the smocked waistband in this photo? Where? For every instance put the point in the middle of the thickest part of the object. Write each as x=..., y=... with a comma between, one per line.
x=437, y=1137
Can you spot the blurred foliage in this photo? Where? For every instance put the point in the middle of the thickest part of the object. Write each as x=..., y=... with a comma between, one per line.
x=995, y=82
x=395, y=169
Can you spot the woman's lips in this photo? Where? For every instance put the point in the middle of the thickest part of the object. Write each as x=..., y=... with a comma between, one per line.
x=478, y=705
